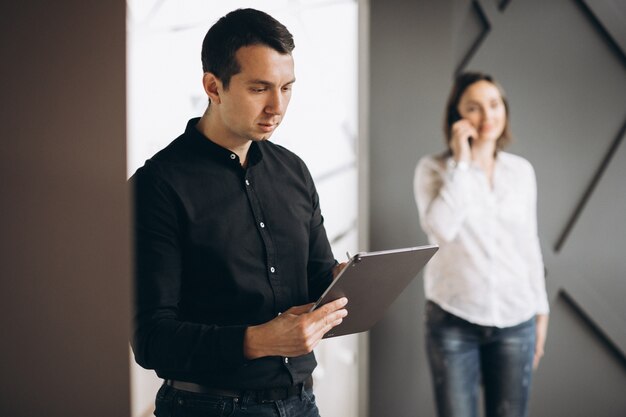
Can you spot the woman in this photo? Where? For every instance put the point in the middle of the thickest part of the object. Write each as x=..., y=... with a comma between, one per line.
x=487, y=308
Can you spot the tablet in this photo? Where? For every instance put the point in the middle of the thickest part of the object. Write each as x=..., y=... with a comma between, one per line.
x=372, y=281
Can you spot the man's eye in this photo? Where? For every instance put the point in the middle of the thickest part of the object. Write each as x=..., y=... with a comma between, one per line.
x=258, y=90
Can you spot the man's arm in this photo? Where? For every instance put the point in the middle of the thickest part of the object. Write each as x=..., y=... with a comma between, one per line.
x=321, y=262
x=161, y=339
x=296, y=332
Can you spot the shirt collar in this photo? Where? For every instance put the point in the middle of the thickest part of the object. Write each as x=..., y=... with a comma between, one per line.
x=205, y=145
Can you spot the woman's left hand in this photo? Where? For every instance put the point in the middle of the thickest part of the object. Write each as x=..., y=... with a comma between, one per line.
x=542, y=333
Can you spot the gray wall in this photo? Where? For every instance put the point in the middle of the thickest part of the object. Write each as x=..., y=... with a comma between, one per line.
x=64, y=217
x=562, y=65
x=410, y=61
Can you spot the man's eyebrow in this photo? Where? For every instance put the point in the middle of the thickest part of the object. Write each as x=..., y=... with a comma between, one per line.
x=268, y=83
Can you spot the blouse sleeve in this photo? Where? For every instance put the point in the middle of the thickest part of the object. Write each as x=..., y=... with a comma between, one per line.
x=537, y=270
x=443, y=198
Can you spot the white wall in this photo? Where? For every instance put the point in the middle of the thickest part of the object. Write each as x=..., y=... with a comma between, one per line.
x=322, y=127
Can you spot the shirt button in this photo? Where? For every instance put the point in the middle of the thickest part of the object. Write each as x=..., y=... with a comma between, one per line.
x=272, y=269
x=286, y=360
x=247, y=182
x=233, y=156
x=262, y=225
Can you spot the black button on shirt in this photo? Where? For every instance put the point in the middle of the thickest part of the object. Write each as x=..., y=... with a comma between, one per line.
x=219, y=248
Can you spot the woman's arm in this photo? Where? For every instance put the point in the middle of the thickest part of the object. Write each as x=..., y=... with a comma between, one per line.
x=442, y=196
x=537, y=277
x=541, y=335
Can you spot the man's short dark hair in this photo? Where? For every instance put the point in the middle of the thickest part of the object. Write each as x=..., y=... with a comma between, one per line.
x=242, y=27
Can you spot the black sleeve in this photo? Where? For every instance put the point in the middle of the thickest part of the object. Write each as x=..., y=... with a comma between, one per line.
x=161, y=340
x=321, y=259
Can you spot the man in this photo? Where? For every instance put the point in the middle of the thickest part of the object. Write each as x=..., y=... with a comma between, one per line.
x=230, y=242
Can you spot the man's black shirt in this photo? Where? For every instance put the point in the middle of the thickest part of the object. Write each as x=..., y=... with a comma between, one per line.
x=220, y=247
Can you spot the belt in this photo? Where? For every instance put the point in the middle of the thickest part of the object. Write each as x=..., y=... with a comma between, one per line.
x=268, y=394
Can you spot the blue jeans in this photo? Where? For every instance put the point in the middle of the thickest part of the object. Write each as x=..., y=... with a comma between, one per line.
x=171, y=402
x=463, y=355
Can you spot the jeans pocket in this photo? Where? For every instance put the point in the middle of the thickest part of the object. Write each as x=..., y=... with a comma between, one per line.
x=304, y=405
x=162, y=392
x=164, y=401
x=308, y=396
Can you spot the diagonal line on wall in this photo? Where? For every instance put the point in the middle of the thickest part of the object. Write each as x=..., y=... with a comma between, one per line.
x=342, y=234
x=617, y=44
x=590, y=188
x=503, y=4
x=330, y=174
x=478, y=10
x=610, y=344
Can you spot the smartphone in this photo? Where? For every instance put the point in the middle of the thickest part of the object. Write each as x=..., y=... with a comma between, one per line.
x=454, y=120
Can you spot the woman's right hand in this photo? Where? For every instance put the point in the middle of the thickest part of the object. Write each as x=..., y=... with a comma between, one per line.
x=461, y=132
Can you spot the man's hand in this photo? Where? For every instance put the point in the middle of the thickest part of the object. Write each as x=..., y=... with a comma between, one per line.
x=296, y=332
x=338, y=268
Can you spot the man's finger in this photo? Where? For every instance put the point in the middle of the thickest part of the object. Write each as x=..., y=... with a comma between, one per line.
x=330, y=307
x=329, y=321
x=298, y=310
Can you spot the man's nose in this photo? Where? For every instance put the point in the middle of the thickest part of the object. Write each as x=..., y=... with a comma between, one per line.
x=276, y=103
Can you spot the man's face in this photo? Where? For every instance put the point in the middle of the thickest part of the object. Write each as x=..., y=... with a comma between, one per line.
x=257, y=97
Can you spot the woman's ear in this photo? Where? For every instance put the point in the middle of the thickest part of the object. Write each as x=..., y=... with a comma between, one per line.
x=212, y=86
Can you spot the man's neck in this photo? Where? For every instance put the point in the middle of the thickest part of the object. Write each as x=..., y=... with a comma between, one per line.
x=211, y=129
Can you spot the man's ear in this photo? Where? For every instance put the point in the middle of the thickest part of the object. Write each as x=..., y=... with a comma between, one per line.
x=212, y=86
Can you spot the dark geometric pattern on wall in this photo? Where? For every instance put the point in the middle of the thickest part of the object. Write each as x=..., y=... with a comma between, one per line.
x=502, y=4
x=475, y=28
x=557, y=80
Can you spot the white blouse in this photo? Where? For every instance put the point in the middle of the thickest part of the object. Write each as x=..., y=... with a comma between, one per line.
x=489, y=269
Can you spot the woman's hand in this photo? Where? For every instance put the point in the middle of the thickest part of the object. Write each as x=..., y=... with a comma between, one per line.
x=540, y=342
x=461, y=132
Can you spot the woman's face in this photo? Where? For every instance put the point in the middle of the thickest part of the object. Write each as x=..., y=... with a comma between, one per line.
x=481, y=104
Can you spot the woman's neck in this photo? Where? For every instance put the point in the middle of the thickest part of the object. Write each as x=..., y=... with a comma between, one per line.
x=484, y=155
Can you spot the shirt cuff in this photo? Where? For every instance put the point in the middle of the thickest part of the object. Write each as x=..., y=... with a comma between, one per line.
x=543, y=308
x=457, y=165
x=231, y=345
